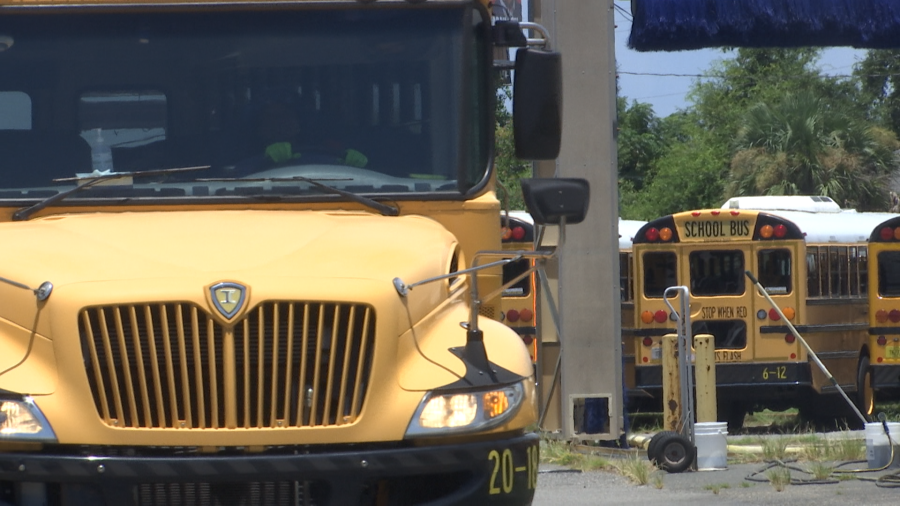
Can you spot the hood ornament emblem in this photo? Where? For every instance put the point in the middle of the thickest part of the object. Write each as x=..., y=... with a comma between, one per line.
x=228, y=298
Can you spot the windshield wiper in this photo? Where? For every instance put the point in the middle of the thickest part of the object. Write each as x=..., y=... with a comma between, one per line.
x=384, y=209
x=93, y=180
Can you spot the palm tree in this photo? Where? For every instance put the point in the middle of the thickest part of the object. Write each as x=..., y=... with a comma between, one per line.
x=801, y=145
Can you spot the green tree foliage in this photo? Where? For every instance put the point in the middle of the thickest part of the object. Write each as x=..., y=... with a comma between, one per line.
x=639, y=142
x=879, y=78
x=801, y=144
x=510, y=170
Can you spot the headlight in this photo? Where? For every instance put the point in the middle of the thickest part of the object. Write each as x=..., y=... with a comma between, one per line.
x=21, y=420
x=469, y=411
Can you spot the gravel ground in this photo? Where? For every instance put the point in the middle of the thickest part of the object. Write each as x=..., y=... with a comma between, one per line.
x=736, y=485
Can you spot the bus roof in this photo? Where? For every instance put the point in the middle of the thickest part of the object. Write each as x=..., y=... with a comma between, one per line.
x=842, y=227
x=808, y=203
x=627, y=230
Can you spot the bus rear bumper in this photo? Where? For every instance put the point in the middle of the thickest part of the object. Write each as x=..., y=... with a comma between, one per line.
x=886, y=376
x=502, y=472
x=746, y=377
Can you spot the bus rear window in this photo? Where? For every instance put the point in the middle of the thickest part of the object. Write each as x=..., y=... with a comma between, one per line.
x=521, y=288
x=775, y=271
x=660, y=272
x=717, y=272
x=889, y=273
x=728, y=334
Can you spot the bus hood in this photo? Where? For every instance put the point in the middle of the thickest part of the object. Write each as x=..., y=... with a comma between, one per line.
x=183, y=250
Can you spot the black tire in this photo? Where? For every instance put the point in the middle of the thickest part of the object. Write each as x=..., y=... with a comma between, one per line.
x=674, y=453
x=654, y=442
x=865, y=394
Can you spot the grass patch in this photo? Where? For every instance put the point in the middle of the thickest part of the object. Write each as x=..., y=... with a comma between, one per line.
x=774, y=448
x=638, y=470
x=779, y=477
x=820, y=470
x=562, y=454
x=716, y=487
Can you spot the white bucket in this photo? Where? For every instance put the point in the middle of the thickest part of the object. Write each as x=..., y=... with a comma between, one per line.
x=712, y=446
x=878, y=450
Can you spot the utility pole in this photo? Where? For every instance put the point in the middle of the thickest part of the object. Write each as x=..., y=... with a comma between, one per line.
x=587, y=399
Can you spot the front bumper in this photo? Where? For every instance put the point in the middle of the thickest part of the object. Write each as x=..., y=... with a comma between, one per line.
x=502, y=471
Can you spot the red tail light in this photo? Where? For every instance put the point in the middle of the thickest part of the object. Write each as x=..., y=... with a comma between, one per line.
x=780, y=231
x=648, y=341
x=881, y=316
x=789, y=338
x=886, y=233
x=512, y=315
x=881, y=340
x=526, y=315
x=527, y=339
x=651, y=234
x=660, y=316
x=773, y=315
x=894, y=316
x=518, y=233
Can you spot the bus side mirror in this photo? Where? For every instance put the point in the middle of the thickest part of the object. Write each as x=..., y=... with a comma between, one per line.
x=551, y=199
x=537, y=104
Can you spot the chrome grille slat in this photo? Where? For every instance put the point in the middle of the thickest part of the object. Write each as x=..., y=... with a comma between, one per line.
x=172, y=365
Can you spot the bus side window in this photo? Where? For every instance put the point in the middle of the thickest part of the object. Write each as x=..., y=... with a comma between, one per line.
x=863, y=270
x=812, y=267
x=853, y=277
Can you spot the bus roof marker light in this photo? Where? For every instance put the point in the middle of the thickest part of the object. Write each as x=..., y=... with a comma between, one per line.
x=715, y=213
x=695, y=213
x=735, y=212
x=780, y=231
x=766, y=231
x=665, y=234
x=651, y=234
x=886, y=233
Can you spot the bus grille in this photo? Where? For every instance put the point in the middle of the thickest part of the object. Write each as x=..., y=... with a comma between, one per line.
x=285, y=364
x=281, y=493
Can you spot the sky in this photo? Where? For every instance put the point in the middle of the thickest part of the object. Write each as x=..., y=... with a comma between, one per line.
x=672, y=73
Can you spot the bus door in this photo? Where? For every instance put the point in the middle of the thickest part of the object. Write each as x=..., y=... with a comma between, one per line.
x=777, y=271
x=721, y=297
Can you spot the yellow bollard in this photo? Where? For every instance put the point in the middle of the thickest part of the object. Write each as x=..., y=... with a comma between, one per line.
x=671, y=383
x=705, y=377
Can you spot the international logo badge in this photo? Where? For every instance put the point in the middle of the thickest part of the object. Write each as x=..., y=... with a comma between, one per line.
x=228, y=298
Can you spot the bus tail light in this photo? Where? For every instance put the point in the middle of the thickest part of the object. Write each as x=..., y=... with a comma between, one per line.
x=881, y=340
x=894, y=316
x=505, y=233
x=660, y=316
x=766, y=231
x=665, y=234
x=512, y=315
x=789, y=338
x=881, y=316
x=773, y=315
x=647, y=317
x=789, y=313
x=647, y=341
x=518, y=233
x=651, y=234
x=527, y=339
x=886, y=233
x=780, y=231
x=526, y=315
x=897, y=233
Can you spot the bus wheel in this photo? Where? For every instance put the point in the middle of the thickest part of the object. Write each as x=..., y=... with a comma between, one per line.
x=674, y=453
x=865, y=394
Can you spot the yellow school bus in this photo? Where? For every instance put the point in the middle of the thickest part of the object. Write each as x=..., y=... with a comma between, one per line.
x=241, y=242
x=518, y=303
x=813, y=262
x=883, y=375
x=636, y=400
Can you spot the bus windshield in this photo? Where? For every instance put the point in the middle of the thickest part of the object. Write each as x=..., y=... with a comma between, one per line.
x=371, y=101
